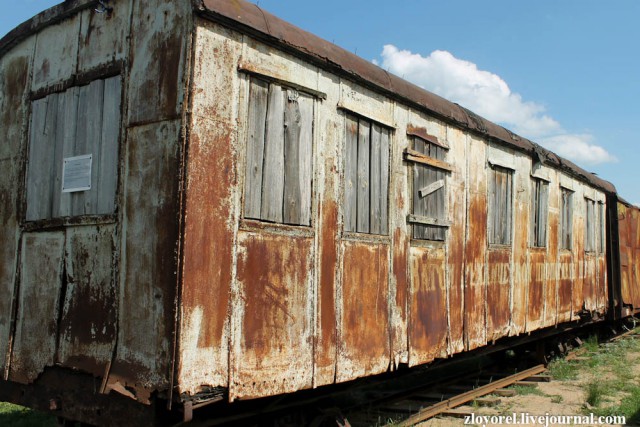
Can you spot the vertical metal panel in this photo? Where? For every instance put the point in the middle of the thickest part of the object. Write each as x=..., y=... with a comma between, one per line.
x=518, y=224
x=565, y=282
x=210, y=205
x=272, y=176
x=364, y=332
x=579, y=256
x=364, y=191
x=428, y=327
x=256, y=122
x=38, y=305
x=476, y=243
x=275, y=351
x=498, y=286
x=553, y=244
x=88, y=320
x=456, y=240
x=56, y=53
x=149, y=248
x=14, y=74
x=104, y=38
x=158, y=52
x=536, y=290
x=351, y=173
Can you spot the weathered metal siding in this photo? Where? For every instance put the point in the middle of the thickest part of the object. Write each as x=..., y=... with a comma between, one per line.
x=428, y=326
x=72, y=280
x=210, y=211
x=14, y=79
x=475, y=246
x=552, y=268
x=629, y=232
x=294, y=307
x=36, y=333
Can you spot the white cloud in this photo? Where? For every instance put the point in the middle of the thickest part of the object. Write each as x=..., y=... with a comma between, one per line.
x=578, y=148
x=489, y=95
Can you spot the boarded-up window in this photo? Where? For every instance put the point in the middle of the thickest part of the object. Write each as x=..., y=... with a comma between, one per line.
x=500, y=205
x=601, y=224
x=366, y=170
x=429, y=192
x=590, y=226
x=73, y=152
x=539, y=212
x=279, y=152
x=566, y=218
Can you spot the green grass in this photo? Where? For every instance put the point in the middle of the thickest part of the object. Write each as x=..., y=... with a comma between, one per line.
x=523, y=390
x=17, y=416
x=595, y=392
x=563, y=370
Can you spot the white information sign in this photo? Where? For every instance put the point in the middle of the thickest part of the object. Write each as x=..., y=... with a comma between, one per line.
x=76, y=174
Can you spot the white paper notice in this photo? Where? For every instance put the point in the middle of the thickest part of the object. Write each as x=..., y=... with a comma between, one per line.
x=76, y=174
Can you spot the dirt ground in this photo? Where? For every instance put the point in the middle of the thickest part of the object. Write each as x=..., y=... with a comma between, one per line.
x=603, y=380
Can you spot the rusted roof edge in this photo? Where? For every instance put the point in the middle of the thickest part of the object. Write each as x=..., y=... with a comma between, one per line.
x=48, y=17
x=251, y=19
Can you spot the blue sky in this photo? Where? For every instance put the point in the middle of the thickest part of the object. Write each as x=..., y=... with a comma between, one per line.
x=564, y=73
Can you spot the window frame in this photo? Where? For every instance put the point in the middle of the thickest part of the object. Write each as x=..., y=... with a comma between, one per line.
x=601, y=224
x=279, y=209
x=539, y=209
x=566, y=219
x=69, y=103
x=590, y=226
x=433, y=170
x=361, y=131
x=505, y=237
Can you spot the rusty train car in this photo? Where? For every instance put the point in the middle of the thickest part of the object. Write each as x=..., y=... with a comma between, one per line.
x=203, y=202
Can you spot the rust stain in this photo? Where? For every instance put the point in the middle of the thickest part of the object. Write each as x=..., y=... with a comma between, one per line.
x=326, y=337
x=564, y=286
x=88, y=322
x=498, y=285
x=208, y=236
x=365, y=331
x=428, y=327
x=536, y=289
x=474, y=295
x=551, y=293
x=400, y=271
x=275, y=279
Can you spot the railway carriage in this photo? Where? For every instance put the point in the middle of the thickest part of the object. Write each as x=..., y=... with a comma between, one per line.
x=201, y=202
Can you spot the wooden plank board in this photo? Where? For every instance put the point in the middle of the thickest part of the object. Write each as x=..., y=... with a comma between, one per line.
x=384, y=181
x=306, y=157
x=292, y=177
x=374, y=213
x=351, y=173
x=109, y=149
x=94, y=142
x=41, y=152
x=419, y=181
x=364, y=145
x=80, y=147
x=256, y=122
x=272, y=177
x=65, y=147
